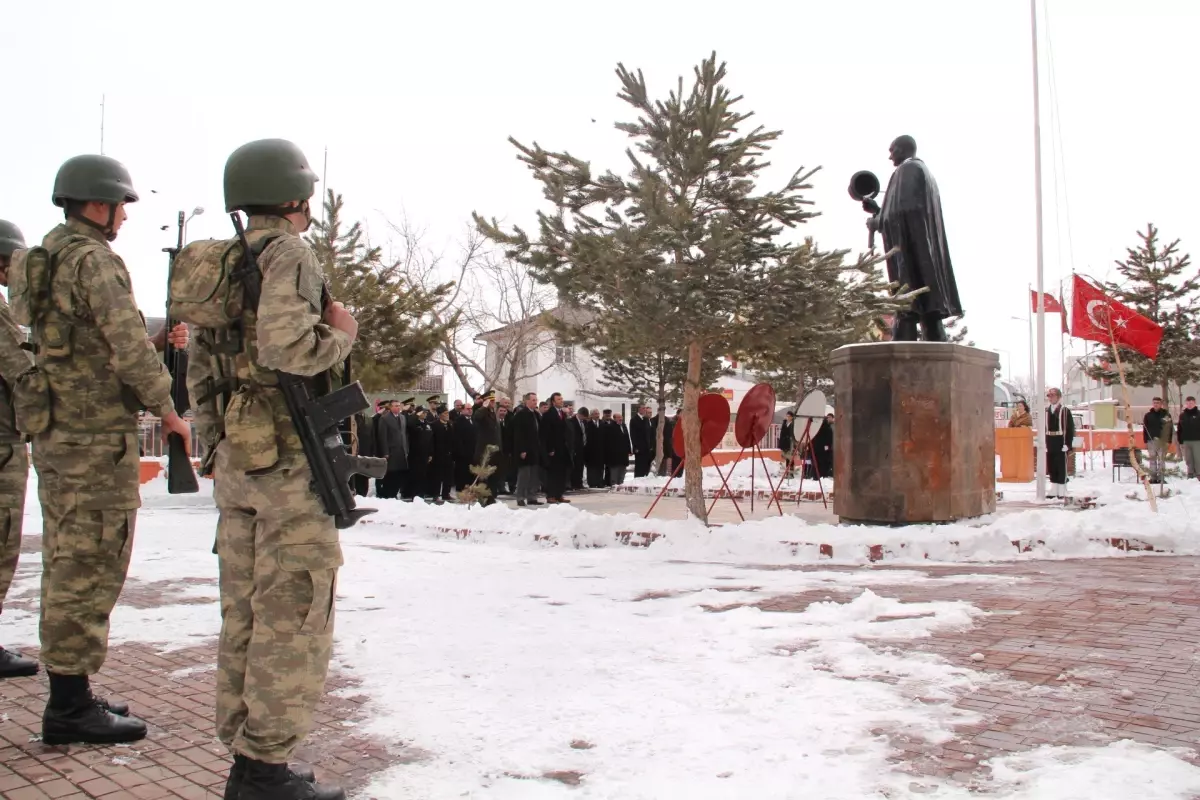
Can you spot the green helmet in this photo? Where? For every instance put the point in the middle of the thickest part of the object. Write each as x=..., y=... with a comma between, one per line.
x=10, y=238
x=267, y=173
x=98, y=178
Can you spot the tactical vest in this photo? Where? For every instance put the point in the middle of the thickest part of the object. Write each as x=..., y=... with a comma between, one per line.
x=86, y=396
x=232, y=349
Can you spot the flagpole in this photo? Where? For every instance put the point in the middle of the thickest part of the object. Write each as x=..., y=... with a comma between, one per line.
x=1040, y=382
x=1029, y=319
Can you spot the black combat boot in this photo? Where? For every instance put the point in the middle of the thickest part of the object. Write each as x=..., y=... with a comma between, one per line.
x=15, y=666
x=74, y=714
x=262, y=781
x=932, y=329
x=904, y=328
x=238, y=771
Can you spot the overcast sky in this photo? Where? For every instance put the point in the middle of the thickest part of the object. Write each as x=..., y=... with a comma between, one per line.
x=415, y=103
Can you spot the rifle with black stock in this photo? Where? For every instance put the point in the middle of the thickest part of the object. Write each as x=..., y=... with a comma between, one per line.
x=317, y=418
x=181, y=478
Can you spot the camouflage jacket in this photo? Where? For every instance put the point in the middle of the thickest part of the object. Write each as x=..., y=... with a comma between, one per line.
x=285, y=334
x=99, y=361
x=13, y=362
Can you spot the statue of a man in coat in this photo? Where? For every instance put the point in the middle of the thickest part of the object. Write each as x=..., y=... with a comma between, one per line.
x=911, y=221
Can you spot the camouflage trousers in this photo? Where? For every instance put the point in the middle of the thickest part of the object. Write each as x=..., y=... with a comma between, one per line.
x=88, y=488
x=279, y=555
x=14, y=474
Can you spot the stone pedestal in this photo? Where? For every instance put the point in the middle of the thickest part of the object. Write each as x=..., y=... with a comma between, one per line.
x=914, y=438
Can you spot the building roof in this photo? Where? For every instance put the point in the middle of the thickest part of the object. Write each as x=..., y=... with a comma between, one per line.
x=562, y=313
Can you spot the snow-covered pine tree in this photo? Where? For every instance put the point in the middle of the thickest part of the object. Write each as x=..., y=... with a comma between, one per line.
x=686, y=251
x=1160, y=284
x=396, y=335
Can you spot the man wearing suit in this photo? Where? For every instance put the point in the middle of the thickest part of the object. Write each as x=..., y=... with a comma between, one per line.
x=616, y=450
x=391, y=442
x=578, y=428
x=642, y=441
x=554, y=443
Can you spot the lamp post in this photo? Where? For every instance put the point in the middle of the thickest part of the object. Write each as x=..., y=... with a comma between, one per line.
x=197, y=211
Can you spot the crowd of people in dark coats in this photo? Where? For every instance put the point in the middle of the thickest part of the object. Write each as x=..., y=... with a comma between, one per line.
x=543, y=448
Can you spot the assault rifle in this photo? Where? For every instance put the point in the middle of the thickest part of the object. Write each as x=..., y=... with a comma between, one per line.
x=317, y=418
x=181, y=478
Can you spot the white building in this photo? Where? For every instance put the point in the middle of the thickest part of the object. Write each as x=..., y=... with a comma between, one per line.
x=526, y=357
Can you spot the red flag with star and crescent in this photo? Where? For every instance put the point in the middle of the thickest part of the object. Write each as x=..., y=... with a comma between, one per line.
x=1094, y=314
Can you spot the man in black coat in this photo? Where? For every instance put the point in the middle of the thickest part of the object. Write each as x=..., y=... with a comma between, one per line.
x=441, y=470
x=642, y=441
x=593, y=451
x=787, y=443
x=420, y=453
x=464, y=449
x=554, y=444
x=391, y=440
x=527, y=450
x=487, y=434
x=577, y=427
x=616, y=450
x=505, y=415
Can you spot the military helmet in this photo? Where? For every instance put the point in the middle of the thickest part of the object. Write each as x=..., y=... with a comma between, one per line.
x=267, y=173
x=10, y=238
x=93, y=178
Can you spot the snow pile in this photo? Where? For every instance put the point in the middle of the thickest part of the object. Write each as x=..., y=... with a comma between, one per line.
x=1031, y=532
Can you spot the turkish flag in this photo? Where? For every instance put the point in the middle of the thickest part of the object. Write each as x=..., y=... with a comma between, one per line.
x=1098, y=318
x=1053, y=306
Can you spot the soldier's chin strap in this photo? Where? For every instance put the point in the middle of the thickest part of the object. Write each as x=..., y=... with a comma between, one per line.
x=106, y=228
x=286, y=211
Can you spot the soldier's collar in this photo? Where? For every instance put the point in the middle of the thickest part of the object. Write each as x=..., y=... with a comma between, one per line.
x=76, y=226
x=271, y=223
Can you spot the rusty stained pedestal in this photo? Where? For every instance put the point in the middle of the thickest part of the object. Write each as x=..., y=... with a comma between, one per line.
x=914, y=438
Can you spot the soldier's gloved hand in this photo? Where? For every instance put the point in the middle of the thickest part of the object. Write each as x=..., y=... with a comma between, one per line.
x=338, y=317
x=173, y=423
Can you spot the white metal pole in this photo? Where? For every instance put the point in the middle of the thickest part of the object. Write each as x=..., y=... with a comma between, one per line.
x=1032, y=360
x=1040, y=383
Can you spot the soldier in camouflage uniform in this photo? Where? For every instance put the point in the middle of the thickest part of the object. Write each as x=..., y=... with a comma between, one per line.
x=14, y=459
x=278, y=550
x=90, y=342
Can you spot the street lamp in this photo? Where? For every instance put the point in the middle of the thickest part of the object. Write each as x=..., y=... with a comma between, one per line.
x=197, y=211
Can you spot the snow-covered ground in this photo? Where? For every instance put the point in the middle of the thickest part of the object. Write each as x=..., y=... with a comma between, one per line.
x=502, y=658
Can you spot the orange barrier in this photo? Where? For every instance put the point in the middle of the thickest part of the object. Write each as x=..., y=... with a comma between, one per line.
x=1015, y=448
x=151, y=468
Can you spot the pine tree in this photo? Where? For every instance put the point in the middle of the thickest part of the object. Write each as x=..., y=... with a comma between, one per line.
x=1158, y=285
x=828, y=304
x=396, y=336
x=685, y=252
x=654, y=375
x=956, y=335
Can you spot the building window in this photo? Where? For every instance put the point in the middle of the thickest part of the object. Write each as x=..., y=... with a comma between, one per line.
x=564, y=354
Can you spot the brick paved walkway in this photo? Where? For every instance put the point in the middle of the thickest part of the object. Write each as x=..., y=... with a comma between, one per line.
x=174, y=693
x=1085, y=652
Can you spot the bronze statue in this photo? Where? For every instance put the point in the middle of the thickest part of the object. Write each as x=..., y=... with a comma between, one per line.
x=911, y=221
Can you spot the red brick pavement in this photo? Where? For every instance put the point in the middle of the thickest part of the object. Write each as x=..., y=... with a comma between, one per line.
x=174, y=693
x=1084, y=652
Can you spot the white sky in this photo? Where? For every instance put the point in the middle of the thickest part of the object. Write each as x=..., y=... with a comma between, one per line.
x=415, y=104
